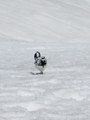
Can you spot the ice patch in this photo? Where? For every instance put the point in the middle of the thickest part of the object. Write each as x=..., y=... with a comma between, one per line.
x=33, y=106
x=17, y=76
x=23, y=93
x=68, y=95
x=77, y=97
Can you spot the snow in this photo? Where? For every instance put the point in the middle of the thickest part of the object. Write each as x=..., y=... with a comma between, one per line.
x=60, y=30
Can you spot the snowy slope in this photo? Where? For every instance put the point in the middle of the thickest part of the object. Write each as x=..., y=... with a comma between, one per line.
x=60, y=30
x=45, y=20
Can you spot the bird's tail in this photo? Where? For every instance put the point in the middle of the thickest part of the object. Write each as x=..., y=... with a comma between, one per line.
x=36, y=55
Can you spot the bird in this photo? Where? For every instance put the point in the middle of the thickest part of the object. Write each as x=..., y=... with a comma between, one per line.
x=40, y=62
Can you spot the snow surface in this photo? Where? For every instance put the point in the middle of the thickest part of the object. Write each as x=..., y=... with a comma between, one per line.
x=60, y=30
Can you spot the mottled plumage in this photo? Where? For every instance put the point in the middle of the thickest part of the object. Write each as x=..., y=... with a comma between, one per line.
x=40, y=62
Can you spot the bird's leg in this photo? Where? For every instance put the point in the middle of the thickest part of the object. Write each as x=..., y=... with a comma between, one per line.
x=41, y=72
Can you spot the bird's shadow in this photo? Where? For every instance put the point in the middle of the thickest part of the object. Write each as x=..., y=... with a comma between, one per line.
x=36, y=73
